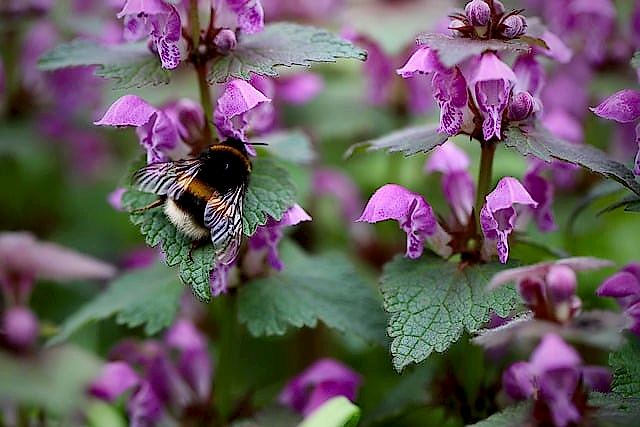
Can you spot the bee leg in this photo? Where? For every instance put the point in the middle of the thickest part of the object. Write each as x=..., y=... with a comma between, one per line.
x=152, y=205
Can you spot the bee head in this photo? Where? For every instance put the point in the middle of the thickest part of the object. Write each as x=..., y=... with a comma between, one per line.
x=237, y=144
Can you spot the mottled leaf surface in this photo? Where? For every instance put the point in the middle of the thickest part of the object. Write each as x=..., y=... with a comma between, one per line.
x=541, y=144
x=128, y=65
x=311, y=288
x=270, y=193
x=281, y=44
x=454, y=50
x=409, y=141
x=432, y=302
x=626, y=369
x=148, y=297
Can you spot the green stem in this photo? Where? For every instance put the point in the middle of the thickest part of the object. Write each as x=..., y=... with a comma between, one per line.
x=484, y=176
x=226, y=354
x=201, y=71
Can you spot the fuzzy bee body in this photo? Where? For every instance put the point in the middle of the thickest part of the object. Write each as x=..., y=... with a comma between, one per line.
x=203, y=197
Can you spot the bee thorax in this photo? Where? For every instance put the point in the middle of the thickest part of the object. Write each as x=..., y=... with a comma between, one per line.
x=184, y=221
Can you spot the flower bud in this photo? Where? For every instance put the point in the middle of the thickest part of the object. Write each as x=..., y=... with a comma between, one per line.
x=478, y=13
x=455, y=24
x=521, y=106
x=561, y=282
x=514, y=26
x=498, y=7
x=225, y=41
x=20, y=328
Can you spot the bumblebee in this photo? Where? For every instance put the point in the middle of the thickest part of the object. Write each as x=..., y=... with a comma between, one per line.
x=203, y=197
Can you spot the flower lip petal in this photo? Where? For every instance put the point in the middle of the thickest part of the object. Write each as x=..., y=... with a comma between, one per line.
x=622, y=106
x=129, y=110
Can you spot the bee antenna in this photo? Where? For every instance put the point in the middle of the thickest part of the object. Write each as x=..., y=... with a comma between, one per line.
x=259, y=143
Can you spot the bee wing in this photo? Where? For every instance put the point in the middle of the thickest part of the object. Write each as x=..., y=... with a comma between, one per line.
x=223, y=217
x=167, y=179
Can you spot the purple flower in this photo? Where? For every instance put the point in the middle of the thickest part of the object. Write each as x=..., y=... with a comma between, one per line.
x=457, y=185
x=449, y=87
x=141, y=257
x=160, y=131
x=549, y=288
x=219, y=280
x=336, y=183
x=302, y=10
x=624, y=286
x=116, y=378
x=157, y=19
x=514, y=26
x=19, y=328
x=267, y=237
x=115, y=198
x=498, y=216
x=325, y=379
x=299, y=88
x=542, y=192
x=552, y=377
x=230, y=116
x=23, y=259
x=491, y=85
x=623, y=107
x=413, y=213
x=478, y=12
x=250, y=15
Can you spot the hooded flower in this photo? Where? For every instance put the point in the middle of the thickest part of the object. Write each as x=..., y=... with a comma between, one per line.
x=413, y=213
x=159, y=20
x=457, y=185
x=23, y=259
x=552, y=377
x=230, y=116
x=267, y=237
x=549, y=288
x=449, y=87
x=165, y=377
x=19, y=328
x=250, y=15
x=623, y=107
x=321, y=381
x=162, y=131
x=491, y=84
x=498, y=215
x=624, y=286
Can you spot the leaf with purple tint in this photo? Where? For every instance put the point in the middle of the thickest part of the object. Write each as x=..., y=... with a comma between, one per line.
x=409, y=141
x=281, y=45
x=454, y=50
x=543, y=145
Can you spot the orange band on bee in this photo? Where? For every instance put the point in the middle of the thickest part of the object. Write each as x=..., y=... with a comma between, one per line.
x=200, y=190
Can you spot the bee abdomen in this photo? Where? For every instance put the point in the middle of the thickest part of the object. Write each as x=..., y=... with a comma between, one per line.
x=188, y=221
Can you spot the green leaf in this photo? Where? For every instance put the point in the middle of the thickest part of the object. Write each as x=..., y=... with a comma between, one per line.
x=432, y=302
x=281, y=44
x=270, y=193
x=311, y=288
x=512, y=416
x=410, y=141
x=635, y=61
x=626, y=369
x=335, y=412
x=293, y=145
x=541, y=144
x=614, y=410
x=54, y=379
x=148, y=297
x=129, y=65
x=454, y=50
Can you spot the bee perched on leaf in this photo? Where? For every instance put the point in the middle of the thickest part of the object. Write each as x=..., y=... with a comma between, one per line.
x=203, y=197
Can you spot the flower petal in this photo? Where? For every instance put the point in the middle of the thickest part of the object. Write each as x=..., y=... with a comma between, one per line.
x=422, y=61
x=237, y=99
x=622, y=106
x=115, y=379
x=129, y=110
x=250, y=15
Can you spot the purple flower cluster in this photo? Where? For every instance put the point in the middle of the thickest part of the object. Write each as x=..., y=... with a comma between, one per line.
x=624, y=286
x=324, y=379
x=168, y=380
x=556, y=379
